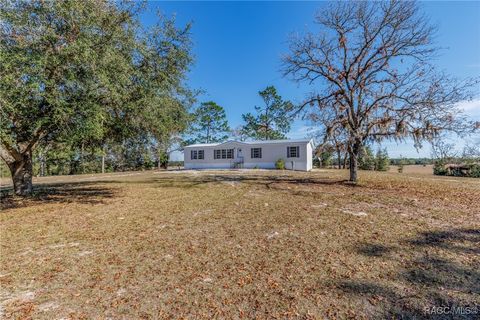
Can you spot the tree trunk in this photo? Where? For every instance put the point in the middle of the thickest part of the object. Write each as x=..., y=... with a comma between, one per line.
x=21, y=171
x=339, y=158
x=159, y=151
x=104, y=152
x=103, y=163
x=81, y=159
x=353, y=167
x=42, y=165
x=165, y=163
x=161, y=163
x=355, y=150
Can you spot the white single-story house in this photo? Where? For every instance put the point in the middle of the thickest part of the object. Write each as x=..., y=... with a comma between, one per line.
x=297, y=154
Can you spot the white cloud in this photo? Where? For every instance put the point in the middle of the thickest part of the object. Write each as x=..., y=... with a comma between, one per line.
x=469, y=105
x=307, y=129
x=300, y=131
x=470, y=108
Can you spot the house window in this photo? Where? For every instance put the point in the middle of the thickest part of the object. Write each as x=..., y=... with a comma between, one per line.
x=256, y=153
x=223, y=154
x=197, y=154
x=293, y=152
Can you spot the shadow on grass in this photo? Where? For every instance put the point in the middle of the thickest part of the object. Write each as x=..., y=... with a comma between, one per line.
x=88, y=192
x=373, y=250
x=444, y=239
x=430, y=276
x=269, y=181
x=76, y=192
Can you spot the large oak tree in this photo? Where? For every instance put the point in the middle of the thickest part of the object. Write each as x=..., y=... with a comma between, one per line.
x=84, y=72
x=370, y=65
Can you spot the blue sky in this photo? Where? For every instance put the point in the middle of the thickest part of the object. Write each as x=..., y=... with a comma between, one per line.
x=238, y=48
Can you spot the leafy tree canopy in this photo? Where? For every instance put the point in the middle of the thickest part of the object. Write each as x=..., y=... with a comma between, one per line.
x=85, y=71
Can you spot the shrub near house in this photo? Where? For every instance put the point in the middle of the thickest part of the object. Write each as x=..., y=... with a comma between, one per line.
x=280, y=164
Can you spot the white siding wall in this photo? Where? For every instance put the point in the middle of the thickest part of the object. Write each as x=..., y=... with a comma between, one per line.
x=310, y=157
x=270, y=154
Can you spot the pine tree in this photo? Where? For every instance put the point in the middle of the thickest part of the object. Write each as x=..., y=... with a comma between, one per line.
x=272, y=120
x=366, y=159
x=382, y=161
x=209, y=124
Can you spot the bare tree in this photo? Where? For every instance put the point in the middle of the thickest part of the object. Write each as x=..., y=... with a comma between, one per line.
x=471, y=152
x=370, y=65
x=340, y=143
x=442, y=150
x=338, y=140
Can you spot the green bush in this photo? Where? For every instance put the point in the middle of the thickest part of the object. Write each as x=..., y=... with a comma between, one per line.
x=163, y=159
x=475, y=171
x=439, y=168
x=466, y=170
x=401, y=163
x=280, y=164
x=325, y=160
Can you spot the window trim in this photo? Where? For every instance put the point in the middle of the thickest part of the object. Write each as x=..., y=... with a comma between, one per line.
x=223, y=154
x=290, y=149
x=256, y=156
x=197, y=154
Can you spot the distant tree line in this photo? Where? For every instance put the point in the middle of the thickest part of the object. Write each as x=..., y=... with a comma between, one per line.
x=325, y=158
x=84, y=87
x=445, y=159
x=411, y=161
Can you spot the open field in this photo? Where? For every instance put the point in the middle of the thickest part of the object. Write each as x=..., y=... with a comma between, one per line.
x=240, y=244
x=414, y=169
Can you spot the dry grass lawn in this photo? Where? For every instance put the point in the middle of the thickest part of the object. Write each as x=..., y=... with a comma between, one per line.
x=240, y=244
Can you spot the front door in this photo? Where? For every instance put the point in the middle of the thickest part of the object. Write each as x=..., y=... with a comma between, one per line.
x=239, y=154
